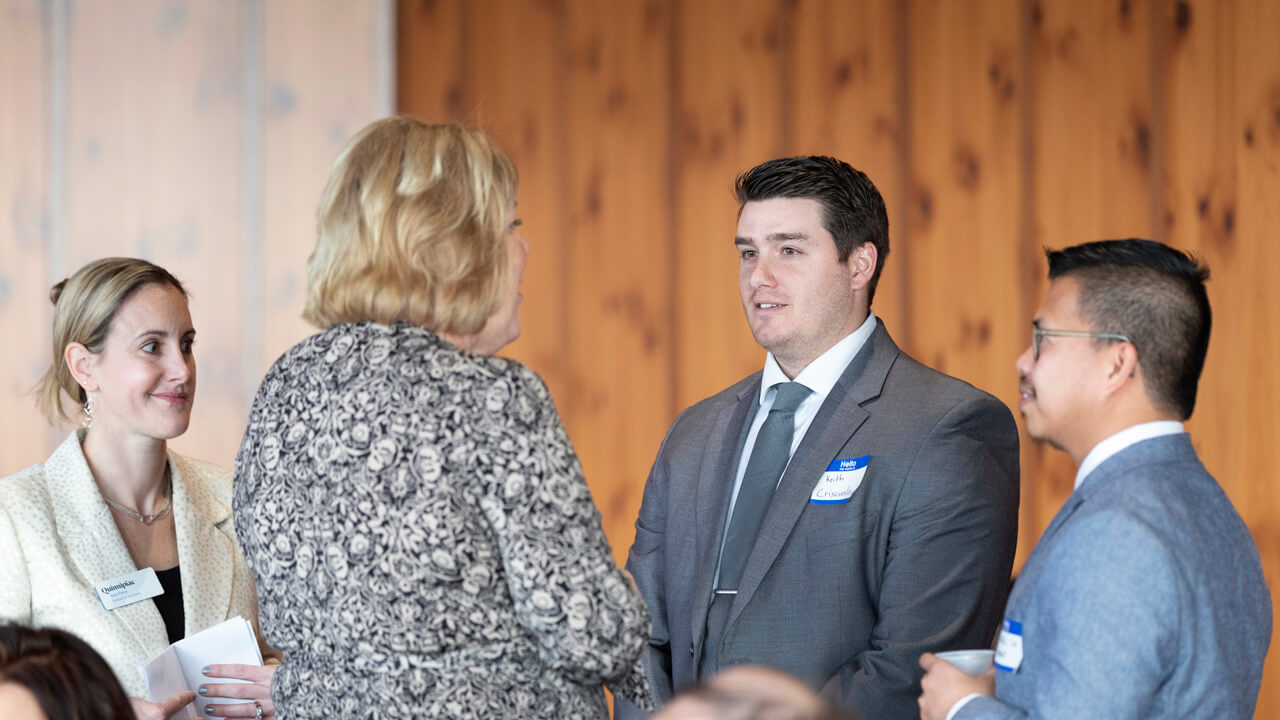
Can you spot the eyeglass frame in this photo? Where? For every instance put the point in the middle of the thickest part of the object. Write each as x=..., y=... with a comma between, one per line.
x=1038, y=332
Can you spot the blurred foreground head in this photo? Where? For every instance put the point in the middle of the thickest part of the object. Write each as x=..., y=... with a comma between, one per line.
x=50, y=674
x=751, y=692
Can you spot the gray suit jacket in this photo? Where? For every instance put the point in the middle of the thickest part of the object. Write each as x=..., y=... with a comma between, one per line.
x=845, y=597
x=1143, y=599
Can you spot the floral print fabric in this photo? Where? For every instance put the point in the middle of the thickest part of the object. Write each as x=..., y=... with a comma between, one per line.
x=423, y=539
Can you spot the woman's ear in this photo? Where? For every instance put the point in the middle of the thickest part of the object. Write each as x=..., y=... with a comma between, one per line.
x=82, y=363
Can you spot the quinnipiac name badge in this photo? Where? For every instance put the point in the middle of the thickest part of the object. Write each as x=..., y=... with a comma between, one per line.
x=838, y=483
x=128, y=589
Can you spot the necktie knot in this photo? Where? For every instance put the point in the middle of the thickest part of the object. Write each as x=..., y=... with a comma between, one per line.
x=788, y=396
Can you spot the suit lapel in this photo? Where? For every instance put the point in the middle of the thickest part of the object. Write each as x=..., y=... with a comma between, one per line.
x=1114, y=469
x=715, y=485
x=94, y=544
x=205, y=553
x=837, y=420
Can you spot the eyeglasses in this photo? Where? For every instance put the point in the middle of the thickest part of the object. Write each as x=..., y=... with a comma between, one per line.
x=1037, y=333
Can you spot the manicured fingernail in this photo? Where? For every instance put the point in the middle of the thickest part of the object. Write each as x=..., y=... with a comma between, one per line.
x=204, y=690
x=208, y=709
x=205, y=671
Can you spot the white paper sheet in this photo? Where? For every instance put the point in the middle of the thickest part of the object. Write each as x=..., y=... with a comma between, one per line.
x=179, y=667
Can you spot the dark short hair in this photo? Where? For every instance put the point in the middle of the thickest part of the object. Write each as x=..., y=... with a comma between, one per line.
x=853, y=211
x=69, y=679
x=1155, y=296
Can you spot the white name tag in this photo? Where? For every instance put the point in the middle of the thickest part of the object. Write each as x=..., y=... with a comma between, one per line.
x=128, y=589
x=1009, y=649
x=840, y=481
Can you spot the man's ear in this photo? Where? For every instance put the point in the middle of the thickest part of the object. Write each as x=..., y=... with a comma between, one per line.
x=862, y=265
x=82, y=363
x=1124, y=365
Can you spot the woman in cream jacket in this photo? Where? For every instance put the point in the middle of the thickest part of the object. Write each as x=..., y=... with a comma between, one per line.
x=113, y=499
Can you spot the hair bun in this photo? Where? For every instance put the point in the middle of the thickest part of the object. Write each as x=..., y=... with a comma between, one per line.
x=56, y=291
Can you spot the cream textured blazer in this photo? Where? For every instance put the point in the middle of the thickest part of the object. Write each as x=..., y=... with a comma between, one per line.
x=57, y=539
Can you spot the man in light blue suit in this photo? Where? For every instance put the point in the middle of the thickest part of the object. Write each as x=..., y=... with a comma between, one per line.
x=1145, y=596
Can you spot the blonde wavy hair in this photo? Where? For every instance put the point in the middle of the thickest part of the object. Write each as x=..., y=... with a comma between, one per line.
x=83, y=307
x=412, y=228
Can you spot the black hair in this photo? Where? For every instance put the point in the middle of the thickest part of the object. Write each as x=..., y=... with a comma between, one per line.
x=1155, y=296
x=853, y=211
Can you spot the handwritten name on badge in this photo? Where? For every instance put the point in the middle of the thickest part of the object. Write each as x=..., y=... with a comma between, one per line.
x=128, y=589
x=838, y=483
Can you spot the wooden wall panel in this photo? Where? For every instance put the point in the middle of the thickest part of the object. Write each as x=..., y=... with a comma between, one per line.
x=729, y=118
x=846, y=60
x=313, y=100
x=1246, y=301
x=25, y=313
x=431, y=58
x=965, y=93
x=517, y=94
x=1222, y=82
x=1092, y=159
x=157, y=175
x=617, y=181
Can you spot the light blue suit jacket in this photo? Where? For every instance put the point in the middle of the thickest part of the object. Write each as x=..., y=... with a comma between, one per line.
x=1144, y=598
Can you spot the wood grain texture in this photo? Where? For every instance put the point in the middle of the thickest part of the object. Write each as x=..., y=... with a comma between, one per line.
x=619, y=248
x=431, y=58
x=845, y=64
x=516, y=94
x=1222, y=83
x=965, y=92
x=1092, y=170
x=25, y=312
x=729, y=117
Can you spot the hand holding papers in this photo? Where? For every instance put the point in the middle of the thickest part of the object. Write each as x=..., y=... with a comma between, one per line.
x=179, y=668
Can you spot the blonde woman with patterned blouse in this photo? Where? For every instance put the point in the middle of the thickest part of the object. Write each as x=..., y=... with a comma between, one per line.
x=422, y=536
x=113, y=500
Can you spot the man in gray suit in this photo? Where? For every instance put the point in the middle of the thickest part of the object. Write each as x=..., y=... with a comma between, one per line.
x=1145, y=596
x=891, y=530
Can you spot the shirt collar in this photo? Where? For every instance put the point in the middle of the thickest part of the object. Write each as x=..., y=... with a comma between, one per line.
x=821, y=374
x=1123, y=439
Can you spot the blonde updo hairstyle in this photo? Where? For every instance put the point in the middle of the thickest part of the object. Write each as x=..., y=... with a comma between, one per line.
x=412, y=228
x=83, y=307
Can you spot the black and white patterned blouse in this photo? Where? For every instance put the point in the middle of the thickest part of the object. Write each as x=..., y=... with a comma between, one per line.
x=423, y=539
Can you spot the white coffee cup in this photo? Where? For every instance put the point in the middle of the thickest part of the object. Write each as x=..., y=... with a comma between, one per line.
x=974, y=662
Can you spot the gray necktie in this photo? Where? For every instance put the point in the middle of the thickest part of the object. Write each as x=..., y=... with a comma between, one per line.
x=768, y=459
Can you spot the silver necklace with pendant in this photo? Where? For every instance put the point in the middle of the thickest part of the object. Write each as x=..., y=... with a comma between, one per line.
x=148, y=519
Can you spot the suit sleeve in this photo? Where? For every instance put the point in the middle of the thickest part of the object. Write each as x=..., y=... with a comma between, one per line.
x=946, y=575
x=15, y=591
x=1104, y=647
x=589, y=623
x=644, y=562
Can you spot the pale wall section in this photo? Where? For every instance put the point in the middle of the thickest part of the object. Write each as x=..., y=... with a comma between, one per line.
x=993, y=128
x=194, y=134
